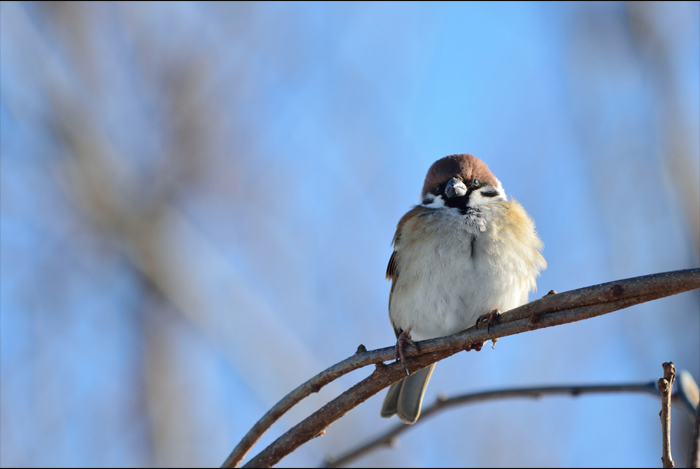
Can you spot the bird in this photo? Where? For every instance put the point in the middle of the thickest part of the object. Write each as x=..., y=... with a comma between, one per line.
x=465, y=253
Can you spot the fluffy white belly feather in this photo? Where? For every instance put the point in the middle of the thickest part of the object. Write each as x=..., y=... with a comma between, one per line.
x=451, y=277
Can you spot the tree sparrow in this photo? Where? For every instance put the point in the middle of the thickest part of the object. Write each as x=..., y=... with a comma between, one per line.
x=464, y=252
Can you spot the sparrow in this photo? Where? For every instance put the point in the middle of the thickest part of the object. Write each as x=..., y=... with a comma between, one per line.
x=465, y=252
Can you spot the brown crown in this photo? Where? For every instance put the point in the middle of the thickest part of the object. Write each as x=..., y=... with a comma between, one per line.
x=465, y=166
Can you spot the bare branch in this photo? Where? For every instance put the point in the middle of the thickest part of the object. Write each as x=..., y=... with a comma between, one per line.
x=685, y=398
x=549, y=311
x=442, y=403
x=309, y=428
x=666, y=386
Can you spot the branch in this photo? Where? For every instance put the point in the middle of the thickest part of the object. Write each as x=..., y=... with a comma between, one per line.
x=549, y=311
x=685, y=398
x=666, y=386
x=389, y=438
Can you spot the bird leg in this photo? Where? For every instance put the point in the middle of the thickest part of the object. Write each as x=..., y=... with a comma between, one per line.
x=401, y=341
x=492, y=318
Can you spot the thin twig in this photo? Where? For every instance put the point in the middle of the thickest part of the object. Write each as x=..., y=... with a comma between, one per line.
x=666, y=387
x=694, y=458
x=549, y=311
x=388, y=438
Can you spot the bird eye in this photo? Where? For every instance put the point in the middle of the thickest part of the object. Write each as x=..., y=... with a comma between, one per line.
x=437, y=188
x=475, y=183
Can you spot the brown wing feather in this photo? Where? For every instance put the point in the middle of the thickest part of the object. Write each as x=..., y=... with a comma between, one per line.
x=392, y=275
x=391, y=268
x=392, y=271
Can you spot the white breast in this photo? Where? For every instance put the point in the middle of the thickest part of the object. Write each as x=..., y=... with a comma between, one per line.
x=452, y=269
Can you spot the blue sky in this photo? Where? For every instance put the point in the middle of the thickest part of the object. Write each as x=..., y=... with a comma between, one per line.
x=197, y=203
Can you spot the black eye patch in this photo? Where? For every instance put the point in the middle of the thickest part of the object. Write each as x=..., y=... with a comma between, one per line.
x=489, y=193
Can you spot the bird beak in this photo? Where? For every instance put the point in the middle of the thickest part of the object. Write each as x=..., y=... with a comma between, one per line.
x=455, y=188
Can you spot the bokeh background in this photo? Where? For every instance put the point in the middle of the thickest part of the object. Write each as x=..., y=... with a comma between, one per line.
x=198, y=202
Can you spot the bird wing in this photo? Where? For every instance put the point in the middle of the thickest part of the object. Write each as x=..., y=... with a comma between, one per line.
x=392, y=269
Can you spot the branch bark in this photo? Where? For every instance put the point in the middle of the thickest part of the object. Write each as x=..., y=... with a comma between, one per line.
x=666, y=387
x=549, y=311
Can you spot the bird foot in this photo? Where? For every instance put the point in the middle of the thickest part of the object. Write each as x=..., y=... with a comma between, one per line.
x=492, y=318
x=403, y=339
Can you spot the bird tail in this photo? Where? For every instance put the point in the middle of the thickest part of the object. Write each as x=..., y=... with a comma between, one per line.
x=405, y=398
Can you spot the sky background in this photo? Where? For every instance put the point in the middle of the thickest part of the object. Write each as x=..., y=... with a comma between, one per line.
x=197, y=203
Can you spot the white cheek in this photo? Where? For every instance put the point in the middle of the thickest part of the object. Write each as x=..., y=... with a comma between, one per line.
x=437, y=202
x=476, y=199
x=500, y=188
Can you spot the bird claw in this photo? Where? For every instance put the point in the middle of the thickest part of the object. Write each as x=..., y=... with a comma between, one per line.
x=492, y=318
x=401, y=341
